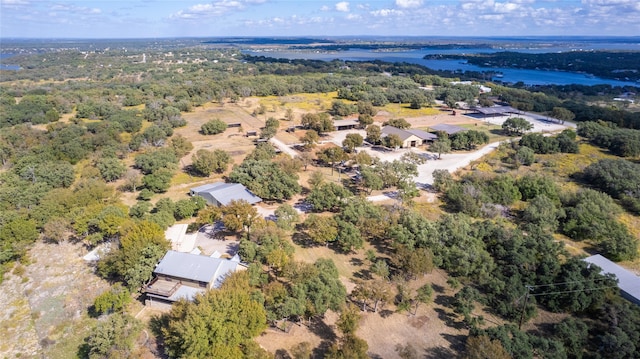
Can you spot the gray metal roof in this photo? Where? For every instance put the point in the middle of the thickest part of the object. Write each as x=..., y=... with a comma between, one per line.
x=195, y=267
x=391, y=130
x=422, y=134
x=496, y=110
x=628, y=282
x=224, y=193
x=347, y=122
x=449, y=129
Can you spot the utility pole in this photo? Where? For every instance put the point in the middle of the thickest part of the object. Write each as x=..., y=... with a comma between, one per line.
x=524, y=306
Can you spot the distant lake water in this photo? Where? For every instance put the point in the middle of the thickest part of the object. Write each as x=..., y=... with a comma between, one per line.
x=4, y=66
x=529, y=77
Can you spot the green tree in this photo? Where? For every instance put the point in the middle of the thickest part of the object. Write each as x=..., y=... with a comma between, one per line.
x=374, y=134
x=332, y=155
x=525, y=156
x=349, y=319
x=352, y=141
x=265, y=179
x=392, y=141
x=110, y=168
x=440, y=146
x=364, y=120
x=482, y=347
x=310, y=139
x=228, y=318
x=213, y=127
x=327, y=197
x=349, y=237
x=180, y=145
x=113, y=300
x=562, y=114
x=398, y=123
x=516, y=126
x=113, y=338
x=286, y=216
x=206, y=162
x=239, y=215
x=159, y=181
x=321, y=229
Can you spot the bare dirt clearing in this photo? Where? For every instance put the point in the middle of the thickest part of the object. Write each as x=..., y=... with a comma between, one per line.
x=46, y=306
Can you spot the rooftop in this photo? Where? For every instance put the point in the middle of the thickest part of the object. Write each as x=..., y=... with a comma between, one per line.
x=195, y=267
x=449, y=129
x=224, y=193
x=628, y=282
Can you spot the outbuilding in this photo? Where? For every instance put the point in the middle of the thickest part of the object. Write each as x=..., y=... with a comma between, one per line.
x=628, y=282
x=221, y=193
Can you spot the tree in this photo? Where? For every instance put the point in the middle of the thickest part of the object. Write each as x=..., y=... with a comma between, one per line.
x=392, y=141
x=310, y=139
x=286, y=216
x=327, y=197
x=306, y=158
x=289, y=115
x=206, y=162
x=543, y=212
x=180, y=145
x=213, y=127
x=113, y=300
x=482, y=347
x=398, y=123
x=562, y=114
x=265, y=179
x=352, y=141
x=110, y=168
x=321, y=229
x=226, y=318
x=270, y=129
x=371, y=181
x=113, y=338
x=374, y=134
x=364, y=120
x=442, y=180
x=332, y=155
x=516, y=126
x=440, y=146
x=349, y=237
x=159, y=181
x=350, y=347
x=239, y=215
x=524, y=156
x=349, y=319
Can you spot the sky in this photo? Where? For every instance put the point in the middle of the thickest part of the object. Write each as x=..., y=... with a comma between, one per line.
x=187, y=18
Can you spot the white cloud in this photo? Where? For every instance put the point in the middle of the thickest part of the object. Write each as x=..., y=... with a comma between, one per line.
x=325, y=8
x=386, y=12
x=213, y=9
x=342, y=6
x=405, y=4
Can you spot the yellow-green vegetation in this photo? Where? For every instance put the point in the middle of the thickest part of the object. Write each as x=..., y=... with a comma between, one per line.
x=302, y=101
x=403, y=110
x=494, y=131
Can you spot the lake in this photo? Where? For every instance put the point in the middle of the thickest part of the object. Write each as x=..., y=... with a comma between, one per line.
x=529, y=77
x=4, y=66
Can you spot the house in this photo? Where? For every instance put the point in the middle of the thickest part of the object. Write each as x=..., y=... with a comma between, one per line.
x=221, y=194
x=183, y=275
x=448, y=129
x=628, y=282
x=409, y=137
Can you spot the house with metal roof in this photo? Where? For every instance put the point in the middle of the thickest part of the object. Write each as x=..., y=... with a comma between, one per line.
x=628, y=282
x=496, y=110
x=182, y=275
x=409, y=137
x=221, y=194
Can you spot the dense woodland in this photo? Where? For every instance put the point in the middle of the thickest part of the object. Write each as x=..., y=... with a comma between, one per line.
x=496, y=234
x=614, y=65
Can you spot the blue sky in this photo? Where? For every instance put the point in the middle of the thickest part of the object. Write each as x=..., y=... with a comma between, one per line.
x=173, y=18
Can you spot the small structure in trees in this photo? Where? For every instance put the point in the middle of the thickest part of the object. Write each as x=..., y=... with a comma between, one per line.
x=221, y=194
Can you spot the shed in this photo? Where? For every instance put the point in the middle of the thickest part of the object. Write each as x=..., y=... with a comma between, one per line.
x=221, y=194
x=496, y=110
x=348, y=124
x=628, y=282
